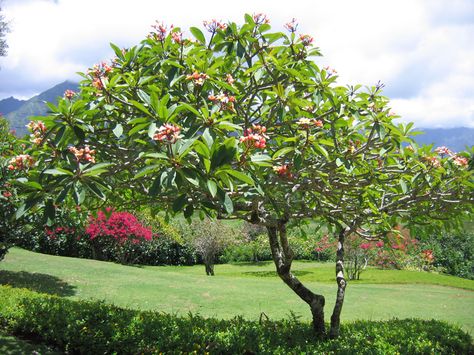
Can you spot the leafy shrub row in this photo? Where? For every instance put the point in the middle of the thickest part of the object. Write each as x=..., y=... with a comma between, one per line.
x=99, y=328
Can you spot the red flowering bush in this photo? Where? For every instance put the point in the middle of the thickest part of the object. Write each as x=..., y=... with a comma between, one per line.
x=116, y=230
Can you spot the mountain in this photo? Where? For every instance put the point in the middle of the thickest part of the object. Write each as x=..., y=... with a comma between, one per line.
x=36, y=106
x=456, y=139
x=9, y=105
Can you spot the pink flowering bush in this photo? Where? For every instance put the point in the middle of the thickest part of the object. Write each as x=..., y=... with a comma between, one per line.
x=118, y=231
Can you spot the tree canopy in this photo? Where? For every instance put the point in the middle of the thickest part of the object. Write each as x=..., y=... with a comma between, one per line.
x=241, y=122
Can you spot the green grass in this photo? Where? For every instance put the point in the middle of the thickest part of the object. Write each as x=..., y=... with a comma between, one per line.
x=243, y=289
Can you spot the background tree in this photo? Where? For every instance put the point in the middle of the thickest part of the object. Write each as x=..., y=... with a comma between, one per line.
x=209, y=238
x=243, y=124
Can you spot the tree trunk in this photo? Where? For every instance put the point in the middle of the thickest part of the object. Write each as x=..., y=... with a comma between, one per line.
x=209, y=268
x=341, y=288
x=283, y=257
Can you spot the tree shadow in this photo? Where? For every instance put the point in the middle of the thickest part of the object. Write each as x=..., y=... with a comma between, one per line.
x=16, y=345
x=37, y=282
x=252, y=263
x=274, y=274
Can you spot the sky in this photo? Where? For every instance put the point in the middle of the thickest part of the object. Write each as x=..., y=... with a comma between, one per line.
x=422, y=50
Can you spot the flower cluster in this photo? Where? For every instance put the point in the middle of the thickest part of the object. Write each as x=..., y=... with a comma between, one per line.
x=83, y=154
x=330, y=71
x=197, y=78
x=255, y=137
x=21, y=162
x=69, y=94
x=260, y=18
x=292, y=25
x=306, y=40
x=433, y=161
x=444, y=151
x=283, y=171
x=98, y=73
x=177, y=37
x=37, y=130
x=213, y=25
x=460, y=161
x=428, y=256
x=230, y=80
x=7, y=194
x=167, y=133
x=122, y=226
x=306, y=123
x=54, y=233
x=226, y=101
x=160, y=31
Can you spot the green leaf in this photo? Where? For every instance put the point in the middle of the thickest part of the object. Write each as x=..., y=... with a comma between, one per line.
x=188, y=211
x=190, y=108
x=212, y=186
x=228, y=205
x=241, y=176
x=198, y=34
x=403, y=185
x=96, y=190
x=147, y=170
x=141, y=107
x=179, y=203
x=101, y=166
x=118, y=130
x=283, y=151
x=62, y=195
x=58, y=171
x=155, y=187
x=152, y=130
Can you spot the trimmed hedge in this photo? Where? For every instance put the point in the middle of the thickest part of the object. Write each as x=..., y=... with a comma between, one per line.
x=99, y=328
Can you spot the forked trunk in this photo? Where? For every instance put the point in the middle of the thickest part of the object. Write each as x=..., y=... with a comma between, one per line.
x=283, y=257
x=341, y=288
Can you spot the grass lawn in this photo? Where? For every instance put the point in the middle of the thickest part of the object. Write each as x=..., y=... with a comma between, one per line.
x=243, y=289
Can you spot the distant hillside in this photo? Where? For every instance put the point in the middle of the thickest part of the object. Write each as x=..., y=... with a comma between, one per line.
x=455, y=139
x=35, y=106
x=9, y=105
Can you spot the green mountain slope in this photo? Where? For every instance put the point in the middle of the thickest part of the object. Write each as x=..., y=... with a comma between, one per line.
x=36, y=106
x=9, y=105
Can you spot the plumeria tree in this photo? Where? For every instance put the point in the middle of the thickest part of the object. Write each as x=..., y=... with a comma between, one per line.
x=240, y=122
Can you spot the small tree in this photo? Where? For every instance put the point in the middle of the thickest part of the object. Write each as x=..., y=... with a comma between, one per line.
x=209, y=238
x=243, y=124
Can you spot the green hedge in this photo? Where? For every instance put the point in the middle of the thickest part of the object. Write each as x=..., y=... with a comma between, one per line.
x=99, y=328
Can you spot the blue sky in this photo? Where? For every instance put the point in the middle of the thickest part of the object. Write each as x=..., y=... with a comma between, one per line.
x=423, y=50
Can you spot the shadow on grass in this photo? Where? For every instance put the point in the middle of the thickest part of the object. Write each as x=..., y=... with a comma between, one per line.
x=37, y=282
x=274, y=274
x=253, y=263
x=13, y=345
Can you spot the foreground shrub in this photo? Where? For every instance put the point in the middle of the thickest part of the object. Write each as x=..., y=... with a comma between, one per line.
x=97, y=328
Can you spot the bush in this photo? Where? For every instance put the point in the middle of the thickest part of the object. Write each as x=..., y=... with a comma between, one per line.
x=453, y=253
x=98, y=328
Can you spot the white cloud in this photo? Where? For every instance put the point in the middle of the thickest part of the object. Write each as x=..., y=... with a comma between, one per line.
x=421, y=49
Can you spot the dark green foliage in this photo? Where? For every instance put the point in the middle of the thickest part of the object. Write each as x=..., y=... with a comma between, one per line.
x=454, y=253
x=96, y=327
